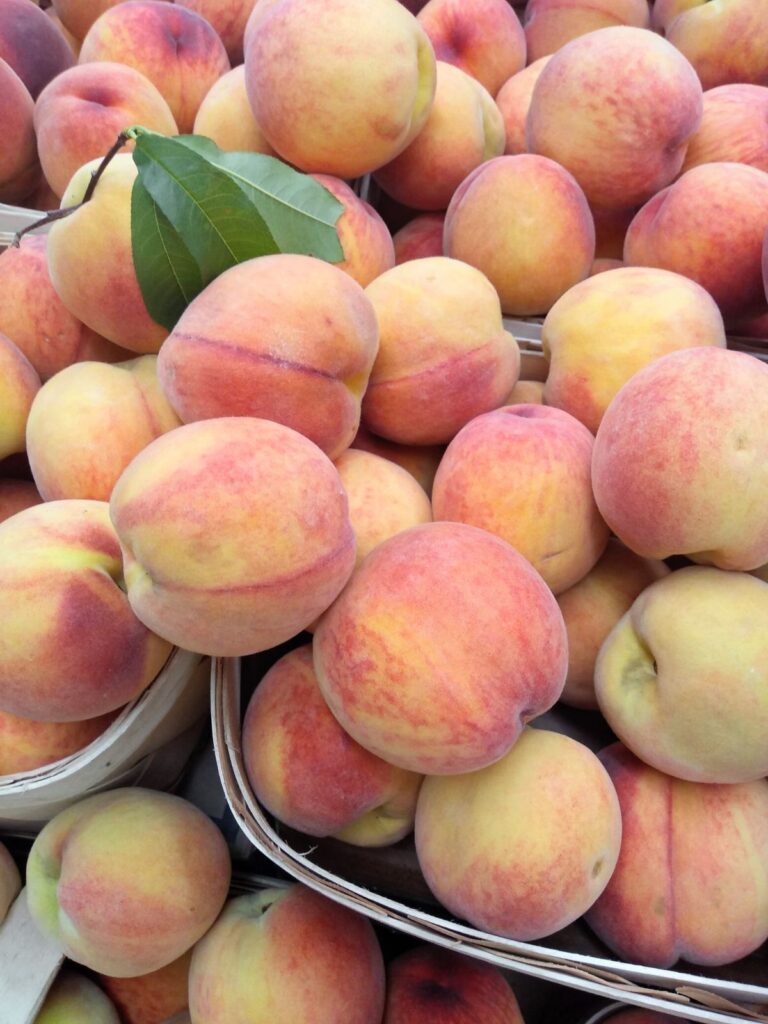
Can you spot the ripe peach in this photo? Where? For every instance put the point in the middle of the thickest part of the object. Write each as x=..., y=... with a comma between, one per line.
x=526, y=392
x=15, y=496
x=225, y=116
x=368, y=247
x=550, y=24
x=600, y=266
x=72, y=42
x=513, y=100
x=77, y=16
x=10, y=881
x=420, y=461
x=151, y=998
x=32, y=46
x=18, y=386
x=27, y=744
x=229, y=18
x=734, y=127
x=74, y=997
x=421, y=237
x=19, y=166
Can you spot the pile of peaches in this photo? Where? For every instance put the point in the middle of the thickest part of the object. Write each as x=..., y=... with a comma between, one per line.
x=354, y=450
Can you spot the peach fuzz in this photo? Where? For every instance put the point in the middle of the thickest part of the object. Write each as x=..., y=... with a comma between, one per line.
x=525, y=846
x=225, y=116
x=19, y=167
x=97, y=880
x=228, y=18
x=151, y=998
x=676, y=230
x=605, y=329
x=15, y=496
x=79, y=115
x=524, y=222
x=616, y=108
x=32, y=45
x=483, y=38
x=338, y=976
x=176, y=49
x=368, y=247
x=338, y=86
x=26, y=744
x=77, y=16
x=513, y=100
x=692, y=877
x=734, y=127
x=288, y=338
x=526, y=392
x=523, y=474
x=696, y=485
x=444, y=355
x=464, y=129
x=397, y=661
x=73, y=997
x=593, y=606
x=420, y=461
x=384, y=499
x=307, y=771
x=550, y=24
x=19, y=383
x=72, y=42
x=429, y=984
x=420, y=237
x=273, y=514
x=10, y=881
x=90, y=260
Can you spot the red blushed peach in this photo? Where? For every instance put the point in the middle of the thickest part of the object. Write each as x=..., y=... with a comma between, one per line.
x=397, y=661
x=288, y=338
x=524, y=222
x=18, y=386
x=692, y=877
x=260, y=545
x=308, y=772
x=229, y=18
x=420, y=461
x=734, y=127
x=483, y=38
x=368, y=247
x=338, y=86
x=19, y=167
x=513, y=100
x=717, y=208
x=177, y=50
x=79, y=115
x=127, y=881
x=151, y=998
x=444, y=355
x=464, y=129
x=550, y=24
x=421, y=237
x=26, y=744
x=540, y=832
x=616, y=108
x=308, y=959
x=72, y=648
x=523, y=473
x=225, y=116
x=32, y=45
x=697, y=484
x=429, y=984
x=15, y=496
x=75, y=997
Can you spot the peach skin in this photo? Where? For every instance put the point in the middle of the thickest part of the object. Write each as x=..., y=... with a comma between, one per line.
x=72, y=42
x=19, y=383
x=422, y=236
x=550, y=24
x=734, y=127
x=228, y=18
x=513, y=100
x=397, y=662
x=151, y=998
x=421, y=461
x=368, y=247
x=32, y=46
x=73, y=997
x=526, y=392
x=77, y=16
x=26, y=744
x=19, y=166
x=15, y=496
x=225, y=116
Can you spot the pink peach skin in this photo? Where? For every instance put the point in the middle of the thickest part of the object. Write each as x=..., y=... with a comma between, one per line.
x=482, y=37
x=542, y=831
x=307, y=771
x=525, y=223
x=309, y=959
x=32, y=45
x=89, y=421
x=605, y=329
x=692, y=877
x=10, y=881
x=421, y=237
x=26, y=744
x=397, y=662
x=368, y=247
x=77, y=16
x=734, y=127
x=15, y=496
x=616, y=108
x=288, y=338
x=229, y=18
x=79, y=115
x=550, y=24
x=74, y=997
x=444, y=355
x=513, y=100
x=225, y=116
x=420, y=461
x=176, y=49
x=664, y=12
x=19, y=166
x=260, y=542
x=338, y=86
x=151, y=998
x=464, y=129
x=98, y=880
x=696, y=485
x=19, y=383
x=593, y=606
x=676, y=230
x=72, y=648
x=526, y=392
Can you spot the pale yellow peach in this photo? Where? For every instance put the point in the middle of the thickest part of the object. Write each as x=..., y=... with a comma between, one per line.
x=550, y=24
x=225, y=116
x=421, y=461
x=19, y=383
x=73, y=997
x=513, y=100
x=368, y=247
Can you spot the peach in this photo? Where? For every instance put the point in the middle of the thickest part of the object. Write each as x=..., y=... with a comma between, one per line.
x=74, y=997
x=397, y=660
x=665, y=11
x=696, y=484
x=19, y=167
x=72, y=42
x=692, y=876
x=605, y=329
x=77, y=16
x=513, y=100
x=611, y=230
x=89, y=421
x=176, y=49
x=541, y=833
x=260, y=542
x=526, y=392
x=151, y=998
x=247, y=966
x=18, y=386
x=10, y=881
x=32, y=45
x=338, y=86
x=444, y=355
x=717, y=208
x=308, y=772
x=593, y=606
x=429, y=984
x=420, y=461
x=663, y=669
x=523, y=473
x=72, y=648
x=524, y=222
x=90, y=260
x=229, y=18
x=26, y=744
x=734, y=127
x=288, y=338
x=616, y=108
x=15, y=496
x=550, y=24
x=225, y=116
x=79, y=115
x=420, y=237
x=98, y=880
x=368, y=247
x=464, y=129
x=482, y=37
x=600, y=266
